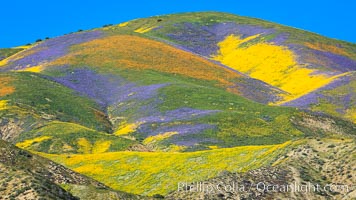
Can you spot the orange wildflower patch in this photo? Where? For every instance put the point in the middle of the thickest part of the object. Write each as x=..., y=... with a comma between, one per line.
x=326, y=47
x=5, y=88
x=138, y=53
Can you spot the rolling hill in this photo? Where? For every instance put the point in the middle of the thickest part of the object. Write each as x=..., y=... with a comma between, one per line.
x=145, y=104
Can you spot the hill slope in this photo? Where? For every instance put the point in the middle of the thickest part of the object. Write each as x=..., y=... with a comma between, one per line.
x=28, y=176
x=140, y=101
x=296, y=62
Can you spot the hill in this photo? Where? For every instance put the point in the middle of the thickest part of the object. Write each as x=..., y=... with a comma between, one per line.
x=141, y=105
x=302, y=62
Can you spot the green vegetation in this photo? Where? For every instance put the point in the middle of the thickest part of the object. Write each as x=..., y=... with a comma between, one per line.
x=4, y=53
x=196, y=124
x=51, y=100
x=258, y=124
x=61, y=137
x=150, y=173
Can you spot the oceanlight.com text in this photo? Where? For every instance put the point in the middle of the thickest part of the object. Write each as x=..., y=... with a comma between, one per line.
x=207, y=187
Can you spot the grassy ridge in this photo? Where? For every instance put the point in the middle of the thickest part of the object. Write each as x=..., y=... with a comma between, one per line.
x=168, y=24
x=50, y=100
x=61, y=137
x=258, y=124
x=161, y=26
x=338, y=101
x=4, y=53
x=152, y=173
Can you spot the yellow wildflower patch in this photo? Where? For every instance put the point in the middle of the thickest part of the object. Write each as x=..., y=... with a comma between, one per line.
x=144, y=29
x=351, y=114
x=123, y=24
x=93, y=168
x=149, y=173
x=101, y=146
x=3, y=62
x=158, y=137
x=36, y=69
x=28, y=143
x=3, y=104
x=270, y=63
x=125, y=129
x=176, y=148
x=317, y=84
x=84, y=145
x=23, y=47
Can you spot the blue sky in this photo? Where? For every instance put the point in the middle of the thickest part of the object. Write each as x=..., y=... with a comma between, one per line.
x=25, y=21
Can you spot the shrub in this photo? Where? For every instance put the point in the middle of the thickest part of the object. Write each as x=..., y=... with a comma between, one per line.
x=158, y=196
x=107, y=25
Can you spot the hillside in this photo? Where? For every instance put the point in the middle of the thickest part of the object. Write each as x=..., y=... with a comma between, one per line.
x=144, y=104
x=294, y=61
x=28, y=176
x=317, y=161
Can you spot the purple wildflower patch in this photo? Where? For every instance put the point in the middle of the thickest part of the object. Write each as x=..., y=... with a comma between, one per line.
x=338, y=62
x=52, y=49
x=174, y=121
x=188, y=134
x=326, y=94
x=184, y=129
x=139, y=104
x=280, y=39
x=105, y=89
x=203, y=40
x=323, y=59
x=189, y=142
x=258, y=91
x=178, y=114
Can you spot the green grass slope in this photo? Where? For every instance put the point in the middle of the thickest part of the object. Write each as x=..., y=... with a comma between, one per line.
x=63, y=137
x=7, y=52
x=150, y=173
